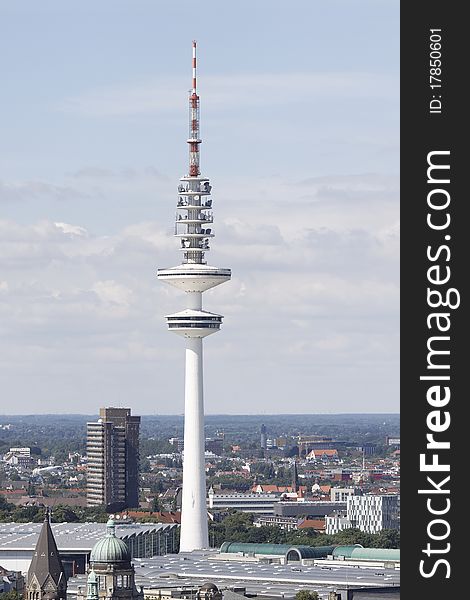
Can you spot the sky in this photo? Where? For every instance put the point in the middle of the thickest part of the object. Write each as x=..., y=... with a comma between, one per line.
x=300, y=129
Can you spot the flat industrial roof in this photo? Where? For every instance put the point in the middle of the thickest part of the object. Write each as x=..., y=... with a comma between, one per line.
x=69, y=537
x=200, y=566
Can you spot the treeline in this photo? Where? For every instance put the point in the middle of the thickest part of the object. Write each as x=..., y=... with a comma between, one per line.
x=60, y=514
x=238, y=527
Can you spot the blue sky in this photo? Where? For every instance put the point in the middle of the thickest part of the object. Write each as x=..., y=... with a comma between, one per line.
x=299, y=108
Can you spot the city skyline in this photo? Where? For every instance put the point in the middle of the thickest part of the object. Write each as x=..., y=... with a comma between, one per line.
x=301, y=142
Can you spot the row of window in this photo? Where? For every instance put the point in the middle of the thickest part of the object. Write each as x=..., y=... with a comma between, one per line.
x=193, y=325
x=198, y=318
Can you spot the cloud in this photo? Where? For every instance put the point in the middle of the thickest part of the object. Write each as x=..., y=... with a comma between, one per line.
x=91, y=173
x=72, y=229
x=312, y=305
x=112, y=293
x=13, y=192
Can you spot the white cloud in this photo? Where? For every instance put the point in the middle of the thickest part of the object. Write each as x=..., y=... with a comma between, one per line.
x=20, y=191
x=112, y=293
x=312, y=305
x=72, y=229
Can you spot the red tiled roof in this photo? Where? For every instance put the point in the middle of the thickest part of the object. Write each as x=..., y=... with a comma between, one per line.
x=313, y=524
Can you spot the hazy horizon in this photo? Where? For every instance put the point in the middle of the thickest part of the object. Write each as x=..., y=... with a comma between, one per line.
x=206, y=414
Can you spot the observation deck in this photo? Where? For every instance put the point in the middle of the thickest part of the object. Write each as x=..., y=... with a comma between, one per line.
x=194, y=277
x=194, y=323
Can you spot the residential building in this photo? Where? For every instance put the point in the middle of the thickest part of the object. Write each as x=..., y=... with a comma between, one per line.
x=177, y=443
x=113, y=460
x=11, y=581
x=19, y=460
x=323, y=454
x=285, y=523
x=336, y=523
x=21, y=451
x=317, y=524
x=214, y=445
x=307, y=442
x=313, y=509
x=253, y=503
x=341, y=494
x=369, y=513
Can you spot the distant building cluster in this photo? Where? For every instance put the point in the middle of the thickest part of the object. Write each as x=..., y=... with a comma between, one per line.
x=11, y=581
x=213, y=445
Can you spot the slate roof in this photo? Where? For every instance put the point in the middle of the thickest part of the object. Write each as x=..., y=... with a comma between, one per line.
x=46, y=559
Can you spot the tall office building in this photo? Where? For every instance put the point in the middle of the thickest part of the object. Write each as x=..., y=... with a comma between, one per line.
x=263, y=437
x=113, y=459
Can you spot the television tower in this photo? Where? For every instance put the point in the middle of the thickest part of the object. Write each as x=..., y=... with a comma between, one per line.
x=194, y=276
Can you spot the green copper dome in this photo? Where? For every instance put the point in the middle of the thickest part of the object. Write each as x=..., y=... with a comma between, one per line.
x=110, y=549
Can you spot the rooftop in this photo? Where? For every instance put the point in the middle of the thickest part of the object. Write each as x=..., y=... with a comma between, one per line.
x=258, y=577
x=68, y=536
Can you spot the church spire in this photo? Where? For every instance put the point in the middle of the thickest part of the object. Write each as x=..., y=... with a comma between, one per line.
x=46, y=576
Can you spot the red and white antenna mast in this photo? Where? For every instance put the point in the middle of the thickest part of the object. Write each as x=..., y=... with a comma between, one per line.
x=194, y=138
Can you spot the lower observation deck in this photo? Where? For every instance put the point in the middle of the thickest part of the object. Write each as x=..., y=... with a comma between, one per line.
x=194, y=323
x=194, y=277
x=200, y=234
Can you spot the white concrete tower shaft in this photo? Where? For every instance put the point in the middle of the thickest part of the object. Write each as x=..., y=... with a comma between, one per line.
x=194, y=276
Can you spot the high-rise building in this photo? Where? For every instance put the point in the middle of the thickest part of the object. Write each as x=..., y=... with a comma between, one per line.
x=263, y=437
x=194, y=276
x=113, y=460
x=46, y=576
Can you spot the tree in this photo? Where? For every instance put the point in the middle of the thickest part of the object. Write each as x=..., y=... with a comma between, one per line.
x=387, y=538
x=237, y=524
x=156, y=504
x=11, y=595
x=353, y=536
x=307, y=537
x=306, y=595
x=64, y=514
x=5, y=505
x=145, y=465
